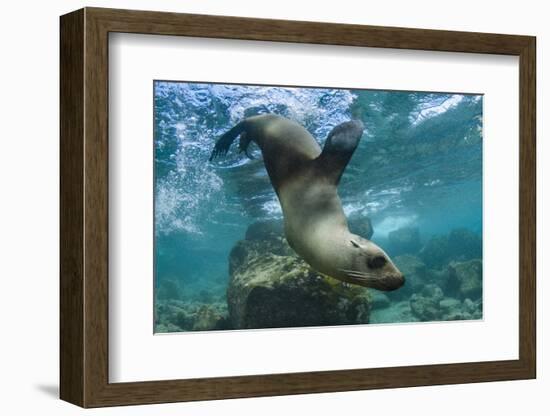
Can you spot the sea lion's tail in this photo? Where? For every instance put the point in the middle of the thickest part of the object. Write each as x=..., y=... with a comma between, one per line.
x=222, y=145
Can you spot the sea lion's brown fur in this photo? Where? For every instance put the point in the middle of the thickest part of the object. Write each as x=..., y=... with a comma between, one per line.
x=305, y=179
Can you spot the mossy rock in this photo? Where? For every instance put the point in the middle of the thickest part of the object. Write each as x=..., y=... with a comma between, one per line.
x=425, y=308
x=178, y=316
x=208, y=318
x=271, y=287
x=465, y=279
x=246, y=251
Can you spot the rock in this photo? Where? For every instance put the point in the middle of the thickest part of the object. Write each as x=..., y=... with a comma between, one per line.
x=404, y=240
x=425, y=309
x=465, y=244
x=435, y=252
x=246, y=251
x=410, y=265
x=430, y=305
x=415, y=273
x=437, y=276
x=207, y=318
x=166, y=327
x=379, y=300
x=396, y=312
x=450, y=306
x=468, y=306
x=455, y=310
x=454, y=316
x=271, y=287
x=170, y=314
x=459, y=245
x=168, y=289
x=432, y=291
x=426, y=304
x=361, y=225
x=183, y=320
x=178, y=316
x=465, y=279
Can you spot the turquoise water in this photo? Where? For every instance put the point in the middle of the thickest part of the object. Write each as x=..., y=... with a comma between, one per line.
x=416, y=175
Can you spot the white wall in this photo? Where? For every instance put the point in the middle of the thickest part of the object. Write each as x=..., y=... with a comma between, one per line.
x=29, y=209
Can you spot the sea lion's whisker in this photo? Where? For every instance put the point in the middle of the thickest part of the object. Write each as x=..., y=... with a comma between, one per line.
x=357, y=272
x=368, y=280
x=360, y=275
x=365, y=278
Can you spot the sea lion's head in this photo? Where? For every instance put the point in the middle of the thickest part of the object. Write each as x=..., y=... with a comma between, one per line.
x=369, y=266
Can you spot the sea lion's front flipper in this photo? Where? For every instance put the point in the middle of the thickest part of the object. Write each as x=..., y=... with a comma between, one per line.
x=339, y=147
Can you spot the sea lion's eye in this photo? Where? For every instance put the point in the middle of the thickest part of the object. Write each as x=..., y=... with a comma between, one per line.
x=354, y=244
x=377, y=262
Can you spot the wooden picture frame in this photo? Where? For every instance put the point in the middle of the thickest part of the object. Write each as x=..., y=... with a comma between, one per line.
x=84, y=207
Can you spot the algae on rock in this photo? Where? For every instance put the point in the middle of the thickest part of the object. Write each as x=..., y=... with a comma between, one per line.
x=270, y=286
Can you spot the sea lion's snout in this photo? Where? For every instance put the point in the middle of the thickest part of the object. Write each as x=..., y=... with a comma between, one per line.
x=392, y=279
x=397, y=281
x=402, y=280
x=388, y=283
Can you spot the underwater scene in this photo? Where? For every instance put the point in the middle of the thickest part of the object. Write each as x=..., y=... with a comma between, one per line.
x=287, y=207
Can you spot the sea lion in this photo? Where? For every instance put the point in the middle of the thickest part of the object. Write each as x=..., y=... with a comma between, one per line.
x=305, y=179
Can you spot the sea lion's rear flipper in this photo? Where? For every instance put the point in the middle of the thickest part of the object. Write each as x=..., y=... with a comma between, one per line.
x=339, y=147
x=244, y=143
x=222, y=145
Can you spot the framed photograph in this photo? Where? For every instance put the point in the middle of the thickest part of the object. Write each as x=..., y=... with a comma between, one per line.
x=255, y=207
